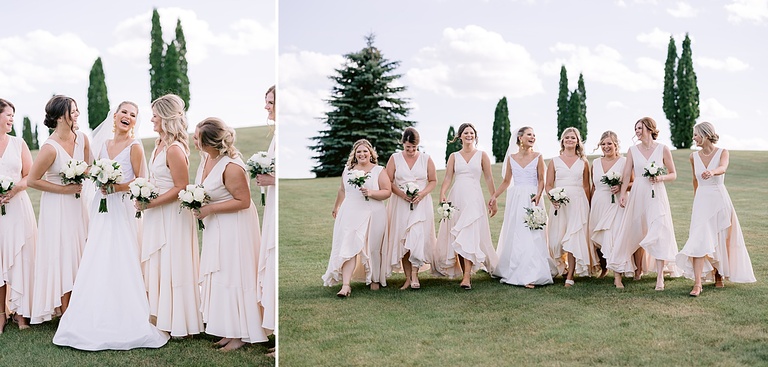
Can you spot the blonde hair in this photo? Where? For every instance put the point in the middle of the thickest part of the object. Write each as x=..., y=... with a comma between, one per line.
x=214, y=133
x=170, y=109
x=579, y=145
x=609, y=135
x=706, y=130
x=649, y=124
x=352, y=161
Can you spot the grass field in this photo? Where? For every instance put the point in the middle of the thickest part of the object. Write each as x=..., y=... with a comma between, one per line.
x=589, y=324
x=33, y=347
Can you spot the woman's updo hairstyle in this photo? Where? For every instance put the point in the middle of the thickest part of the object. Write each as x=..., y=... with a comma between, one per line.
x=56, y=107
x=214, y=133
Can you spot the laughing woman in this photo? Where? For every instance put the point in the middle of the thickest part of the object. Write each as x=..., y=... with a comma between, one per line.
x=360, y=226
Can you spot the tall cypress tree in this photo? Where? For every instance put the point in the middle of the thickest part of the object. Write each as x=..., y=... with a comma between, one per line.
x=364, y=104
x=562, y=102
x=26, y=133
x=98, y=102
x=574, y=116
x=669, y=104
x=501, y=130
x=35, y=140
x=171, y=73
x=13, y=131
x=687, y=99
x=156, y=82
x=181, y=43
x=582, y=122
x=450, y=145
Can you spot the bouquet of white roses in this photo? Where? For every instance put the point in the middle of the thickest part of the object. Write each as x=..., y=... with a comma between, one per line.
x=411, y=189
x=142, y=191
x=259, y=164
x=6, y=185
x=558, y=195
x=105, y=173
x=193, y=198
x=652, y=170
x=446, y=210
x=612, y=178
x=73, y=173
x=357, y=178
x=535, y=218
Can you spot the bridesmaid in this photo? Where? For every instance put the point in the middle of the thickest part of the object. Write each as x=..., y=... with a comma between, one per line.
x=63, y=220
x=568, y=237
x=715, y=241
x=229, y=263
x=360, y=225
x=605, y=213
x=467, y=235
x=170, y=256
x=267, y=285
x=523, y=255
x=647, y=221
x=411, y=232
x=18, y=228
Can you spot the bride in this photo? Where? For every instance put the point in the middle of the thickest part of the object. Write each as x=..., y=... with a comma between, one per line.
x=109, y=307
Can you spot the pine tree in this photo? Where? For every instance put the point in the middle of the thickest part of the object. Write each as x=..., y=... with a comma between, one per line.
x=562, y=102
x=501, y=130
x=181, y=43
x=669, y=104
x=687, y=99
x=450, y=146
x=98, y=102
x=582, y=115
x=26, y=133
x=156, y=82
x=365, y=104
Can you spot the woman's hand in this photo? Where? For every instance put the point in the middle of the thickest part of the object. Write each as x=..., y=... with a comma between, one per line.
x=202, y=212
x=615, y=189
x=265, y=180
x=623, y=200
x=334, y=212
x=706, y=174
x=72, y=189
x=364, y=190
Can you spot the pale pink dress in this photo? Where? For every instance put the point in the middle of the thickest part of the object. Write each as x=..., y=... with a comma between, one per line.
x=268, y=257
x=605, y=216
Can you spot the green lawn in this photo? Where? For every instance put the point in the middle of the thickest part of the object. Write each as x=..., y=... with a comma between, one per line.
x=33, y=347
x=499, y=325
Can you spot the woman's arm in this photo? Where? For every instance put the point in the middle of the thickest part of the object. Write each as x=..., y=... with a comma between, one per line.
x=385, y=187
x=486, y=165
x=179, y=166
x=236, y=182
x=503, y=185
x=586, y=180
x=448, y=177
x=391, y=169
x=540, y=169
x=693, y=170
x=42, y=162
x=339, y=198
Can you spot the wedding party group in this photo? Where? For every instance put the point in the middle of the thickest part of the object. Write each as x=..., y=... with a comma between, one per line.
x=114, y=251
x=613, y=214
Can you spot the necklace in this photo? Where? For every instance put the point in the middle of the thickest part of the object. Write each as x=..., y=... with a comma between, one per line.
x=707, y=154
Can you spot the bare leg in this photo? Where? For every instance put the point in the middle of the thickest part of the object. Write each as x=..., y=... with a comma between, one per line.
x=571, y=269
x=415, y=277
x=603, y=263
x=65, y=302
x=222, y=342
x=346, y=276
x=467, y=269
x=659, y=275
x=617, y=280
x=406, y=270
x=718, y=280
x=2, y=308
x=232, y=345
x=698, y=268
x=638, y=257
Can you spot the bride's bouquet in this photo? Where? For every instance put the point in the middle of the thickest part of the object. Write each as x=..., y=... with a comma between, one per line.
x=6, y=185
x=535, y=218
x=558, y=195
x=259, y=164
x=411, y=189
x=446, y=210
x=142, y=191
x=612, y=178
x=358, y=178
x=74, y=173
x=105, y=173
x=193, y=198
x=652, y=170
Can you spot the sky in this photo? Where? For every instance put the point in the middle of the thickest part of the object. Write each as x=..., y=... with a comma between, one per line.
x=48, y=47
x=459, y=58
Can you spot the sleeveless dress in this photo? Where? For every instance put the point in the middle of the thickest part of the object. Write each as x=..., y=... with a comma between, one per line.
x=229, y=263
x=568, y=229
x=18, y=236
x=604, y=216
x=715, y=232
x=468, y=232
x=359, y=229
x=267, y=286
x=109, y=308
x=62, y=231
x=410, y=230
x=647, y=222
x=170, y=258
x=523, y=253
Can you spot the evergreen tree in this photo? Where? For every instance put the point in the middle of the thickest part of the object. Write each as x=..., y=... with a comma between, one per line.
x=26, y=133
x=669, y=104
x=171, y=72
x=450, y=145
x=13, y=131
x=98, y=102
x=582, y=115
x=364, y=104
x=156, y=83
x=562, y=102
x=501, y=129
x=35, y=140
x=181, y=43
x=574, y=117
x=687, y=99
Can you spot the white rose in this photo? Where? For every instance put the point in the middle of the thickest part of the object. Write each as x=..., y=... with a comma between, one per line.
x=146, y=192
x=189, y=188
x=186, y=196
x=135, y=190
x=653, y=170
x=199, y=195
x=69, y=172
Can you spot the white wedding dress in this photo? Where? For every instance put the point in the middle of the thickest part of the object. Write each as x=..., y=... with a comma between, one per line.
x=109, y=307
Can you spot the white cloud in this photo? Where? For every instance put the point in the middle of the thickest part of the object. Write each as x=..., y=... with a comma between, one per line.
x=40, y=57
x=712, y=110
x=243, y=36
x=605, y=65
x=754, y=10
x=730, y=64
x=612, y=105
x=472, y=62
x=683, y=10
x=658, y=39
x=735, y=143
x=304, y=86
